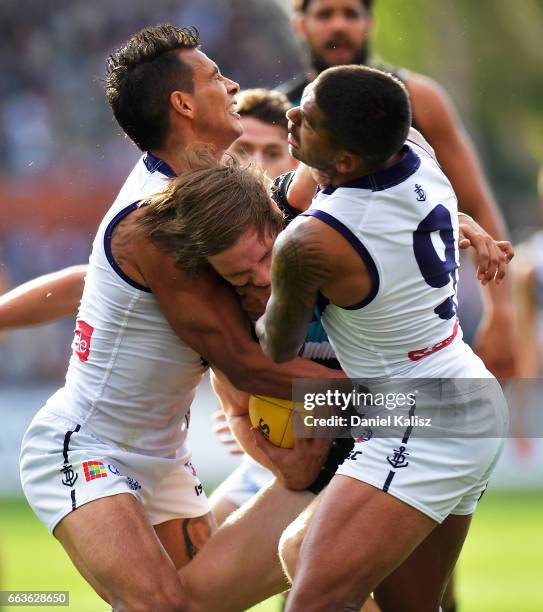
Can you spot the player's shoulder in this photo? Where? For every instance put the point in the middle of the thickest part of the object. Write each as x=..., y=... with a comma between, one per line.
x=145, y=179
x=431, y=104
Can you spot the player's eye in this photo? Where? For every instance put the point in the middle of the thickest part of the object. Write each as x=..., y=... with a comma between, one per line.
x=351, y=14
x=325, y=14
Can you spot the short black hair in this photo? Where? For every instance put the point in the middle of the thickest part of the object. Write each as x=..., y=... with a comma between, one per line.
x=300, y=6
x=141, y=76
x=265, y=105
x=366, y=111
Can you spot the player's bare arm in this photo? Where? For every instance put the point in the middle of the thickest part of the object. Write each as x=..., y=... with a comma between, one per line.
x=437, y=118
x=294, y=468
x=46, y=298
x=300, y=267
x=204, y=312
x=306, y=257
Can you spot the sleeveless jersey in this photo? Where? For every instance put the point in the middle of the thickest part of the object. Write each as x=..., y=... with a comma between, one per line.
x=130, y=380
x=403, y=223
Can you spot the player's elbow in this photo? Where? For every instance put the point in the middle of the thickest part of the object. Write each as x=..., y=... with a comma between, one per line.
x=250, y=375
x=277, y=350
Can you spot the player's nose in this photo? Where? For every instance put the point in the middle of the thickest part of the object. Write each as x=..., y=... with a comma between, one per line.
x=262, y=276
x=232, y=87
x=293, y=114
x=338, y=23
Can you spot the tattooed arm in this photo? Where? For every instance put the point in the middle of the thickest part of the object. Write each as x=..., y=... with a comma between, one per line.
x=309, y=257
x=300, y=267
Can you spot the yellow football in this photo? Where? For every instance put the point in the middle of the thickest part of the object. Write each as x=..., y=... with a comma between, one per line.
x=273, y=417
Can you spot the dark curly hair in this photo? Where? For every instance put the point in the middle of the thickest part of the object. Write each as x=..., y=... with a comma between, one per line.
x=365, y=111
x=300, y=6
x=141, y=76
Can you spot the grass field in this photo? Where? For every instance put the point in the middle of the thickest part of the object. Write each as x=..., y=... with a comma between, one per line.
x=501, y=569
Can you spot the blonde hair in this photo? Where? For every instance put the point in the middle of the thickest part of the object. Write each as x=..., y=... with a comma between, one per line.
x=207, y=210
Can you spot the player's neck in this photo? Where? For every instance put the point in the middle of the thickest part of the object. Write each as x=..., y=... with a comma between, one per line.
x=181, y=158
x=341, y=179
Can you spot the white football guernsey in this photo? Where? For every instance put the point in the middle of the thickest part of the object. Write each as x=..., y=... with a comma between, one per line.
x=130, y=380
x=403, y=223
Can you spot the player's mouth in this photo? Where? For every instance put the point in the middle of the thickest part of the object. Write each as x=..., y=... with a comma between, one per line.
x=232, y=111
x=293, y=141
x=341, y=49
x=292, y=136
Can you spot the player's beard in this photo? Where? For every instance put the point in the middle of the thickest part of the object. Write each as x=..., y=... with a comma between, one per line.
x=360, y=57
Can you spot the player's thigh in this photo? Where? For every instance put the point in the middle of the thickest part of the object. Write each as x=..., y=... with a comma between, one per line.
x=419, y=582
x=184, y=537
x=84, y=570
x=116, y=543
x=358, y=535
x=293, y=536
x=221, y=508
x=239, y=566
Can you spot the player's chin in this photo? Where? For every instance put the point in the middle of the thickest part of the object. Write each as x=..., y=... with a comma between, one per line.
x=236, y=125
x=339, y=57
x=295, y=152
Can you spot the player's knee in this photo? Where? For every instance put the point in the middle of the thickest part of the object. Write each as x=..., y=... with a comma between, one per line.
x=289, y=548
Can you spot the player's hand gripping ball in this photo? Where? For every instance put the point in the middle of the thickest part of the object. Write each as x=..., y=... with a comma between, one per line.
x=273, y=417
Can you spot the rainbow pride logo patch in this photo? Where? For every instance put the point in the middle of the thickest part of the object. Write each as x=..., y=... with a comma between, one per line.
x=94, y=469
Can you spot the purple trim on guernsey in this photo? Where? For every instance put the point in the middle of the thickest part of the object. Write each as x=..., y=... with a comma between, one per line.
x=107, y=246
x=155, y=164
x=357, y=246
x=384, y=179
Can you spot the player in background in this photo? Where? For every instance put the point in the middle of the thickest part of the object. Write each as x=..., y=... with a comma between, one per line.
x=115, y=434
x=527, y=275
x=339, y=32
x=364, y=247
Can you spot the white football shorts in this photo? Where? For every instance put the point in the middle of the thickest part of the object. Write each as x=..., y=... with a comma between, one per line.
x=437, y=474
x=64, y=466
x=244, y=482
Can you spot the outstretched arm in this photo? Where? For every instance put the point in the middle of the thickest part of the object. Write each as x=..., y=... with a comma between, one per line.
x=43, y=299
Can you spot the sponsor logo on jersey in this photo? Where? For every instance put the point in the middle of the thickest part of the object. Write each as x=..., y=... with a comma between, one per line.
x=399, y=458
x=190, y=468
x=82, y=340
x=365, y=435
x=114, y=470
x=133, y=484
x=353, y=455
x=94, y=469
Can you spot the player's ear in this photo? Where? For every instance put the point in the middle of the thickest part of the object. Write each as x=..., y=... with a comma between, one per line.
x=182, y=103
x=298, y=25
x=347, y=163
